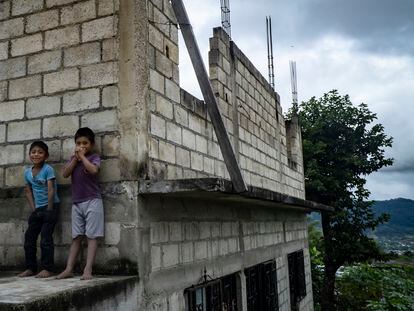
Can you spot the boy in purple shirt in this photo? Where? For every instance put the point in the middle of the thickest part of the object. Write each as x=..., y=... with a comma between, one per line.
x=87, y=208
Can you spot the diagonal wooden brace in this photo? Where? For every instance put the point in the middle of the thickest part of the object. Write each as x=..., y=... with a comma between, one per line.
x=209, y=98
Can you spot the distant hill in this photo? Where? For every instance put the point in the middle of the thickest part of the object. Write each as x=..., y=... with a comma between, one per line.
x=402, y=218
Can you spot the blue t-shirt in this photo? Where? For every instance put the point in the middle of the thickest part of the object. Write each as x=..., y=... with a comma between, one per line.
x=38, y=184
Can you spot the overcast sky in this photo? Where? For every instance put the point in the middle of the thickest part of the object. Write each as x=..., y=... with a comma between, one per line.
x=363, y=48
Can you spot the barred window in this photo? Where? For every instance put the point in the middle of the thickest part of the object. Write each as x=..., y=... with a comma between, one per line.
x=261, y=287
x=296, y=278
x=214, y=295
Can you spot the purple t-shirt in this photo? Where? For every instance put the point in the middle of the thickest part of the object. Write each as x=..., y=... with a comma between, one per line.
x=85, y=186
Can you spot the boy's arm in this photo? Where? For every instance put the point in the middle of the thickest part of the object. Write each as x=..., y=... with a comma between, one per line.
x=89, y=166
x=68, y=168
x=29, y=196
x=50, y=193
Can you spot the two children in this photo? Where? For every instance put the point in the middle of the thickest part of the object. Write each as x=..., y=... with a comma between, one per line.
x=87, y=208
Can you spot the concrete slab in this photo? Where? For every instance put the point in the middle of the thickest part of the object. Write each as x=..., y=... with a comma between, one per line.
x=68, y=294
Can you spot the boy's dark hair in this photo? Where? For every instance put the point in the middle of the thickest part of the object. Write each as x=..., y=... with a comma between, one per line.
x=85, y=132
x=40, y=144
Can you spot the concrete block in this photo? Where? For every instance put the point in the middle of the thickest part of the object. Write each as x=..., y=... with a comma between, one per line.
x=81, y=100
x=67, y=79
x=187, y=252
x=154, y=153
x=208, y=165
x=84, y=54
x=192, y=231
x=188, y=139
x=42, y=21
x=157, y=126
x=78, y=13
x=164, y=107
x=156, y=256
x=12, y=68
x=24, y=130
x=3, y=91
x=106, y=254
x=11, y=154
x=25, y=87
x=4, y=50
x=42, y=106
x=226, y=229
x=175, y=231
x=68, y=147
x=60, y=126
x=174, y=133
x=166, y=152
x=201, y=144
x=205, y=232
x=55, y=150
x=62, y=37
x=99, y=74
x=11, y=28
x=163, y=64
x=23, y=6
x=112, y=233
x=196, y=123
x=159, y=232
x=156, y=81
x=26, y=45
x=12, y=110
x=106, y=7
x=196, y=161
x=101, y=121
x=51, y=3
x=170, y=255
x=156, y=38
x=110, y=96
x=2, y=134
x=14, y=176
x=172, y=90
x=1, y=177
x=200, y=250
x=43, y=62
x=110, y=49
x=233, y=245
x=101, y=28
x=110, y=145
x=4, y=9
x=182, y=157
x=109, y=171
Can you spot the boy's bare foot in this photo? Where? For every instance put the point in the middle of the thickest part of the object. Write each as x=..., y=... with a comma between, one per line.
x=64, y=275
x=44, y=274
x=87, y=275
x=26, y=273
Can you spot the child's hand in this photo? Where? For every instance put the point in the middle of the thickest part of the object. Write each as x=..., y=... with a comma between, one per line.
x=76, y=154
x=81, y=152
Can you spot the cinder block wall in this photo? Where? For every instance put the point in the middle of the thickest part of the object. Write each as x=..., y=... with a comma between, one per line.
x=59, y=70
x=182, y=140
x=185, y=238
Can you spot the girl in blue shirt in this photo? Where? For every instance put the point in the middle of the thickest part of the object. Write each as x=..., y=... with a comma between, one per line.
x=42, y=198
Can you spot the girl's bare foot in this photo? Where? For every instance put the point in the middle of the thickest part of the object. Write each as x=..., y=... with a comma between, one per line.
x=64, y=275
x=44, y=274
x=26, y=273
x=87, y=274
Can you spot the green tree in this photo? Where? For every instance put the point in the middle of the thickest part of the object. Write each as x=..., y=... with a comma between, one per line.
x=341, y=145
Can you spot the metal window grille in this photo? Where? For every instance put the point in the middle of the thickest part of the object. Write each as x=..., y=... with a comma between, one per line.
x=261, y=287
x=297, y=282
x=216, y=295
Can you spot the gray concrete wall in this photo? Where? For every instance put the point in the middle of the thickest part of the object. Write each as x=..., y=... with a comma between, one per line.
x=186, y=236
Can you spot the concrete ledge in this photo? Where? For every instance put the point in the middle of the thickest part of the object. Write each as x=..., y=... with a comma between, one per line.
x=100, y=293
x=222, y=189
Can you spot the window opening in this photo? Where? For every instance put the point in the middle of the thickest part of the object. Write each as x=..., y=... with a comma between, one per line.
x=297, y=282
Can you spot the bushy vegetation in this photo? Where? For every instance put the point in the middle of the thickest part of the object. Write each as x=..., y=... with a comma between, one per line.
x=376, y=288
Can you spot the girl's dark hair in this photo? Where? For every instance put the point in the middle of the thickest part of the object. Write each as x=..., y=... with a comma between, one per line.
x=85, y=132
x=40, y=144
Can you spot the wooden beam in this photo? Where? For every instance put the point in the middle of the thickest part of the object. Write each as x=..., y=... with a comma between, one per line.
x=209, y=98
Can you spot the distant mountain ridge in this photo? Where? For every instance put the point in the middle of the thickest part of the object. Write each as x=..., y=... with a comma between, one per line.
x=402, y=217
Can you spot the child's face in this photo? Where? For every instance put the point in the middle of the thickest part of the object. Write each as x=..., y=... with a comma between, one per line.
x=84, y=143
x=37, y=155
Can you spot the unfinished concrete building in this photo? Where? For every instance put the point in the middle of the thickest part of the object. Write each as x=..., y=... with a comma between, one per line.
x=174, y=223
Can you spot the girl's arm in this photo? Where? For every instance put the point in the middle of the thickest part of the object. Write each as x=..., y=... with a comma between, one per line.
x=50, y=193
x=29, y=196
x=68, y=168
